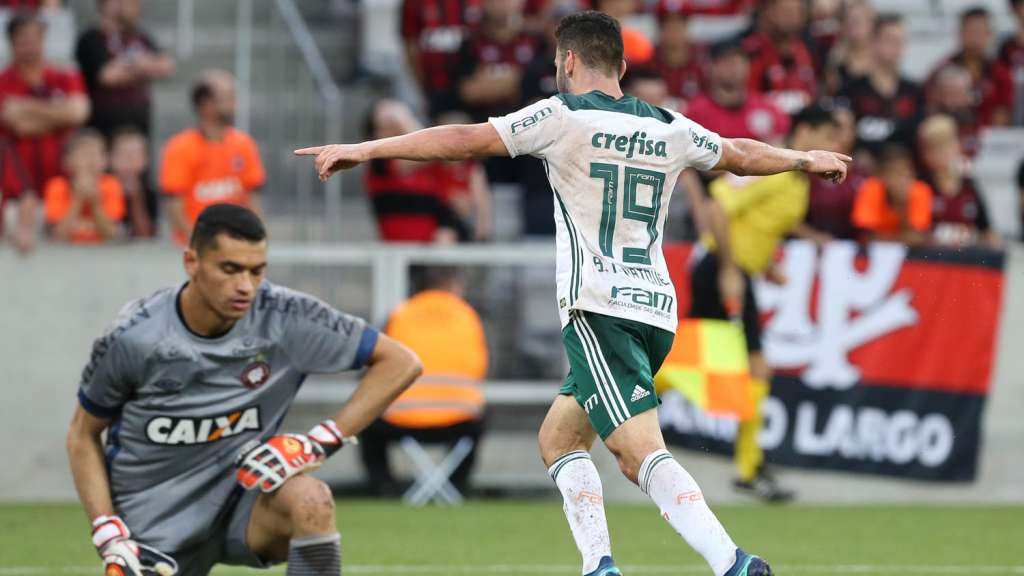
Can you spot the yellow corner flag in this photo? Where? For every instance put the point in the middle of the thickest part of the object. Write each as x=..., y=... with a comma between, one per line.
x=708, y=365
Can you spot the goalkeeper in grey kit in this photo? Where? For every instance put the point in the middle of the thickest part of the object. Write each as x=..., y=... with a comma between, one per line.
x=191, y=385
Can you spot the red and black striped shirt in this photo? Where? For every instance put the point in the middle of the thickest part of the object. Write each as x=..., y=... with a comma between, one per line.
x=438, y=28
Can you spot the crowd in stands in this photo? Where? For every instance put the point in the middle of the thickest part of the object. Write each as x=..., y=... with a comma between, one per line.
x=75, y=141
x=913, y=143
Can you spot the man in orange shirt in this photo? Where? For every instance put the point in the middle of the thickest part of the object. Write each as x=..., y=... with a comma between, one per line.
x=212, y=163
x=894, y=206
x=87, y=206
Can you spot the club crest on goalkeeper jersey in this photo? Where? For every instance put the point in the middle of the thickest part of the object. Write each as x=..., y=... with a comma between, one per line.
x=182, y=405
x=612, y=165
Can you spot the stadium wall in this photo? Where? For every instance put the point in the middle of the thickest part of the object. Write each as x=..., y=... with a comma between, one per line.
x=60, y=299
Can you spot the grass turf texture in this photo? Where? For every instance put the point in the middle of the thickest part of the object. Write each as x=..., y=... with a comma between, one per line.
x=533, y=538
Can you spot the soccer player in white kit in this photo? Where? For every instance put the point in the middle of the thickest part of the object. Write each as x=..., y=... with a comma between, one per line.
x=612, y=161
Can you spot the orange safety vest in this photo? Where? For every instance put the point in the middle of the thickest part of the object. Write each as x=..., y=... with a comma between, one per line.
x=447, y=335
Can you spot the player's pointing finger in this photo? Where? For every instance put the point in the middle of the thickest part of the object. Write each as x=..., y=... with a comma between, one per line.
x=311, y=151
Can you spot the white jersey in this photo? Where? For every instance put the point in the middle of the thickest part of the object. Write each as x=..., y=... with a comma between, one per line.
x=612, y=165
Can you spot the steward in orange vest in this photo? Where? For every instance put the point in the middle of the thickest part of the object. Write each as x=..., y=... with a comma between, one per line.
x=447, y=402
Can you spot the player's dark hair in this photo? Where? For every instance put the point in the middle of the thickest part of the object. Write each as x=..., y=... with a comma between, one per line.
x=593, y=37
x=1015, y=3
x=21, y=19
x=976, y=11
x=887, y=19
x=236, y=221
x=813, y=116
x=201, y=92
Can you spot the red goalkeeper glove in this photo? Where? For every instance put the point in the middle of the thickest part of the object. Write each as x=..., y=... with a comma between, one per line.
x=270, y=464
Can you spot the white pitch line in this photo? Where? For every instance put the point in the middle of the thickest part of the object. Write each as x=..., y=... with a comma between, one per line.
x=837, y=569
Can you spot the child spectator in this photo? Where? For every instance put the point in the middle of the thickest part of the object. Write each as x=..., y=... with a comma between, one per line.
x=894, y=206
x=958, y=209
x=129, y=160
x=86, y=206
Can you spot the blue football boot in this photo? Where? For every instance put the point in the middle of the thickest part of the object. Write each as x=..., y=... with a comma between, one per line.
x=749, y=565
x=606, y=567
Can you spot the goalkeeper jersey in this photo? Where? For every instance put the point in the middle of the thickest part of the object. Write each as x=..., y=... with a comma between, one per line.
x=182, y=405
x=612, y=165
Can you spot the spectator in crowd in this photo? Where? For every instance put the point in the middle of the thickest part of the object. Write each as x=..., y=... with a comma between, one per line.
x=729, y=107
x=637, y=47
x=409, y=198
x=39, y=106
x=679, y=60
x=490, y=73
x=492, y=59
x=212, y=163
x=887, y=106
x=432, y=34
x=1020, y=196
x=649, y=85
x=830, y=205
x=86, y=206
x=992, y=87
x=781, y=64
x=853, y=54
x=1011, y=55
x=894, y=206
x=539, y=83
x=119, y=60
x=952, y=95
x=447, y=403
x=959, y=215
x=469, y=196
x=30, y=4
x=129, y=162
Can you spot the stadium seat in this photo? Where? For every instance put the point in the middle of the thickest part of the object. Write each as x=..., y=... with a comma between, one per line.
x=433, y=479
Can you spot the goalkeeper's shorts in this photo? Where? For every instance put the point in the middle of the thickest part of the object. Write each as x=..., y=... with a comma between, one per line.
x=226, y=544
x=612, y=362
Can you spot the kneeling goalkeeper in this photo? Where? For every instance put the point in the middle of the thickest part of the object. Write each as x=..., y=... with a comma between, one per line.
x=191, y=385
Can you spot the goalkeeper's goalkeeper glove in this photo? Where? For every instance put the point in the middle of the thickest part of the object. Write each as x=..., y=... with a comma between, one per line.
x=122, y=556
x=270, y=464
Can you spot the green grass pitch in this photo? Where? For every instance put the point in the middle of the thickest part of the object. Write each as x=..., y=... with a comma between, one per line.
x=528, y=538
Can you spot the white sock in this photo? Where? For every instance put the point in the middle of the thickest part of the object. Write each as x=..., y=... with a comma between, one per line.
x=682, y=503
x=583, y=502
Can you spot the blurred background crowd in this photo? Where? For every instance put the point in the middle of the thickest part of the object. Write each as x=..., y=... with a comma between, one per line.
x=80, y=161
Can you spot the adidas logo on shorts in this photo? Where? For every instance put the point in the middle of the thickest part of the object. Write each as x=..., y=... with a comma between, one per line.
x=639, y=393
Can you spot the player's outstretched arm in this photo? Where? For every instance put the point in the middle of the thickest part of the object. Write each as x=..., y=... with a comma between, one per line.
x=451, y=142
x=392, y=369
x=746, y=157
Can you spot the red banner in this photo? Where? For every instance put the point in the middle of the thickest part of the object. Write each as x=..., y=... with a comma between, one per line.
x=883, y=357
